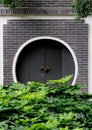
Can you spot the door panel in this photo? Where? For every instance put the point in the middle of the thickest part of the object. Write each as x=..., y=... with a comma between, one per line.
x=53, y=60
x=30, y=61
x=67, y=62
x=22, y=67
x=37, y=60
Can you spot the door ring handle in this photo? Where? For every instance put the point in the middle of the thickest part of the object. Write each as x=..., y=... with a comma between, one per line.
x=45, y=69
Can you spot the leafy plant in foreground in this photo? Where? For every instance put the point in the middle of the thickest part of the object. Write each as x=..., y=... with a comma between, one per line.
x=54, y=105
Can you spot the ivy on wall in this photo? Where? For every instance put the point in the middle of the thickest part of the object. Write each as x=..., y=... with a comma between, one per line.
x=83, y=8
x=10, y=3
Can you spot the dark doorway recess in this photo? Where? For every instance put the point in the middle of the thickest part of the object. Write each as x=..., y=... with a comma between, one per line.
x=42, y=60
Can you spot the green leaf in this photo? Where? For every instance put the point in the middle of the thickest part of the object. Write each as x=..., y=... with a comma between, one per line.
x=39, y=126
x=66, y=128
x=60, y=81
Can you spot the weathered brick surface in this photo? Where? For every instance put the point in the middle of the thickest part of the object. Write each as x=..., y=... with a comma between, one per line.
x=75, y=33
x=40, y=7
x=46, y=3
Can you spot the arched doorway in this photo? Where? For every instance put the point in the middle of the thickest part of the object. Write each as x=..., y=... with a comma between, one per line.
x=43, y=59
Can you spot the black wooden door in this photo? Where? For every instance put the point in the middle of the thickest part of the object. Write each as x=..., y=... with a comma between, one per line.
x=42, y=60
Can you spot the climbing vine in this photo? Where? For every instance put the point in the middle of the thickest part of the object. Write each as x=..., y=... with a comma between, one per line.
x=83, y=8
x=10, y=3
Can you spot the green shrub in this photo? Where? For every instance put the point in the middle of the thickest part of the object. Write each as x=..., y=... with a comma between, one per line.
x=54, y=105
x=83, y=8
x=10, y=3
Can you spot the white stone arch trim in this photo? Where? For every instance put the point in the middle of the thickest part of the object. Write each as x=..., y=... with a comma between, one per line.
x=39, y=38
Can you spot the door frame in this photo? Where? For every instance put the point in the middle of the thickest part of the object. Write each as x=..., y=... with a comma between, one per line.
x=39, y=38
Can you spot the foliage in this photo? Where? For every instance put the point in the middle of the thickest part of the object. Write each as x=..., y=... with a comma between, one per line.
x=54, y=105
x=83, y=8
x=10, y=3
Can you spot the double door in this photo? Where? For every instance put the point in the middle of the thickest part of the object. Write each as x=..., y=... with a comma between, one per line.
x=43, y=60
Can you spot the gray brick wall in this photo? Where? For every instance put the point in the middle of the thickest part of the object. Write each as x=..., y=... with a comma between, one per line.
x=75, y=33
x=40, y=7
x=46, y=3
